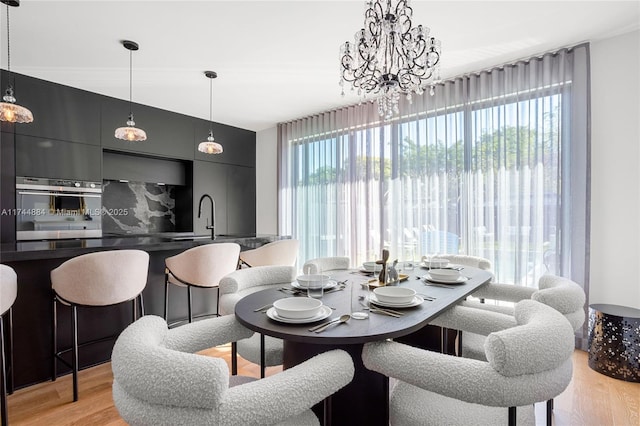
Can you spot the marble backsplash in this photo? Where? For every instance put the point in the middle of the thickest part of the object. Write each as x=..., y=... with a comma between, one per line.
x=137, y=208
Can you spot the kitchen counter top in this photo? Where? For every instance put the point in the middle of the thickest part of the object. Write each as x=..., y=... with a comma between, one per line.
x=51, y=249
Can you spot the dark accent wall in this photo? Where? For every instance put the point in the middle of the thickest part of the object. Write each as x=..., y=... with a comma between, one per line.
x=72, y=137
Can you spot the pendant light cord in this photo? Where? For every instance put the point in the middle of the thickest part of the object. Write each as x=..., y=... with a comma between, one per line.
x=211, y=105
x=8, y=43
x=130, y=84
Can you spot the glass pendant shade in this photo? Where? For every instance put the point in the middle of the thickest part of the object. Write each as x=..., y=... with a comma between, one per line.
x=210, y=146
x=131, y=133
x=13, y=113
x=9, y=110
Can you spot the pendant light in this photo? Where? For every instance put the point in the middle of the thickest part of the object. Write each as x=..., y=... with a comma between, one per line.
x=210, y=146
x=9, y=110
x=130, y=133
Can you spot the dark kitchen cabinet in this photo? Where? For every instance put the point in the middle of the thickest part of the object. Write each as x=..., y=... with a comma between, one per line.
x=59, y=112
x=168, y=134
x=239, y=145
x=211, y=179
x=241, y=200
x=50, y=158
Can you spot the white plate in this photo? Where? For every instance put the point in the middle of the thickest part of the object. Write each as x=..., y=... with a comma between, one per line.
x=417, y=300
x=436, y=265
x=458, y=280
x=328, y=285
x=325, y=312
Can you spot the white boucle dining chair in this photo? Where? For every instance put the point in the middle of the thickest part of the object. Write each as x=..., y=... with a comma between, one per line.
x=259, y=349
x=159, y=380
x=528, y=361
x=8, y=294
x=562, y=294
x=103, y=278
x=281, y=252
x=325, y=264
x=200, y=267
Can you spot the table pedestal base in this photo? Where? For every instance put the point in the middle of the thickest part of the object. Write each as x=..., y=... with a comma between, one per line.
x=364, y=401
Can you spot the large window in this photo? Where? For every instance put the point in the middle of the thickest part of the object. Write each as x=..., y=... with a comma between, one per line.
x=486, y=167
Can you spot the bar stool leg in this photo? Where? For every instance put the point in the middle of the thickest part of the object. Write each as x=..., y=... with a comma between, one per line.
x=189, y=303
x=134, y=309
x=54, y=334
x=9, y=364
x=141, y=305
x=166, y=296
x=4, y=418
x=74, y=351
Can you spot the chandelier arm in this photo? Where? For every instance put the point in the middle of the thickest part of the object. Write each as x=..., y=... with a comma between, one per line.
x=405, y=10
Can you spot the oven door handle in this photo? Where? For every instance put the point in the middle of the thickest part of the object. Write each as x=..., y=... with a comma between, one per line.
x=60, y=194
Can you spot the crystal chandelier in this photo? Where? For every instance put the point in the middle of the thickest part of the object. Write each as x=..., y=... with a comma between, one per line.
x=9, y=110
x=210, y=146
x=389, y=57
x=130, y=132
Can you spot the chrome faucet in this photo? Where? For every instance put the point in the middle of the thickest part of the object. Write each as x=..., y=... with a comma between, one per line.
x=213, y=214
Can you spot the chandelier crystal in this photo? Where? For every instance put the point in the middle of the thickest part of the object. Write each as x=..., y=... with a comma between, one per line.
x=9, y=110
x=389, y=58
x=130, y=132
x=210, y=146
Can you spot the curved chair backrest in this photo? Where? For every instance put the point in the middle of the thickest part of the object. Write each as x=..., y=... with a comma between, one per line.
x=8, y=288
x=181, y=380
x=281, y=252
x=463, y=259
x=241, y=282
x=324, y=264
x=204, y=265
x=102, y=278
x=520, y=350
x=564, y=295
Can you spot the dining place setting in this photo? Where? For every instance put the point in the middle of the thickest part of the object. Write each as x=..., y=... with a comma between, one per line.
x=365, y=298
x=441, y=273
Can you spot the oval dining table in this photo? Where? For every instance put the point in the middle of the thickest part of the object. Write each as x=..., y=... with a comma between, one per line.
x=365, y=399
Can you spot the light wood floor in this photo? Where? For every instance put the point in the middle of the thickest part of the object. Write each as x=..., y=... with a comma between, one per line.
x=591, y=399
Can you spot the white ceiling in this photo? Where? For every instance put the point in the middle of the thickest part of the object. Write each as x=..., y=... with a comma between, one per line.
x=276, y=60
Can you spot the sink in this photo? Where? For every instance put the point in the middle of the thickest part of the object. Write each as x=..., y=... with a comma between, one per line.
x=191, y=237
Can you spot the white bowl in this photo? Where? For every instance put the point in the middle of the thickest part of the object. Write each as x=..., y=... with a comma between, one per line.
x=372, y=267
x=444, y=274
x=306, y=280
x=297, y=307
x=435, y=262
x=394, y=294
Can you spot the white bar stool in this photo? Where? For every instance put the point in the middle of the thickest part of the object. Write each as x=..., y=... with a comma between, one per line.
x=201, y=266
x=96, y=279
x=281, y=253
x=8, y=293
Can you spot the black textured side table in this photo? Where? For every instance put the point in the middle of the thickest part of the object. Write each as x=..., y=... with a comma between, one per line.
x=614, y=341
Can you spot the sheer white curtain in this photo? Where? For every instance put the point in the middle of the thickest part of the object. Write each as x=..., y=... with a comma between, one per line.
x=495, y=164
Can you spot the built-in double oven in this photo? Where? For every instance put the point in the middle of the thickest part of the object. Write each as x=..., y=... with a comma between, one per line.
x=56, y=209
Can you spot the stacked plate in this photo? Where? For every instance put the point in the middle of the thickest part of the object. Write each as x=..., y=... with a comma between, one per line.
x=395, y=297
x=303, y=281
x=298, y=310
x=445, y=276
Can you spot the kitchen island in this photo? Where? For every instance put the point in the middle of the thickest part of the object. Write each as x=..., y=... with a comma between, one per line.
x=32, y=311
